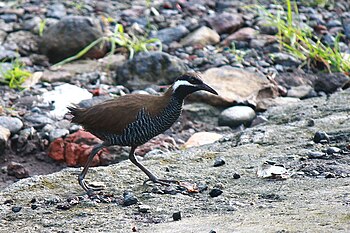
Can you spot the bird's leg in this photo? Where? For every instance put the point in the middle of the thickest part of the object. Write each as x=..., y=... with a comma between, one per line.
x=150, y=175
x=82, y=175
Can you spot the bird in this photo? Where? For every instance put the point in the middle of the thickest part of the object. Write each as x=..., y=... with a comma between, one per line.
x=133, y=119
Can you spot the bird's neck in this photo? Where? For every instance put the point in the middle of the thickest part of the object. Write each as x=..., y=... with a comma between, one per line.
x=178, y=94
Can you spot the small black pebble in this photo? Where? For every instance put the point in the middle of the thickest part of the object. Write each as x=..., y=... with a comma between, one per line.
x=129, y=199
x=177, y=216
x=321, y=136
x=212, y=231
x=329, y=175
x=63, y=206
x=215, y=192
x=236, y=176
x=16, y=209
x=219, y=162
x=34, y=206
x=33, y=200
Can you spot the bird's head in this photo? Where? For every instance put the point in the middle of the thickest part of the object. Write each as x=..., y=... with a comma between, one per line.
x=189, y=83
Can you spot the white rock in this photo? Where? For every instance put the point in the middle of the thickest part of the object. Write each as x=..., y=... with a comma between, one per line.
x=202, y=138
x=64, y=96
x=236, y=116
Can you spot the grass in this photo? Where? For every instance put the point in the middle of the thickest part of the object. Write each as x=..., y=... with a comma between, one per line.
x=132, y=43
x=42, y=25
x=239, y=54
x=15, y=76
x=302, y=44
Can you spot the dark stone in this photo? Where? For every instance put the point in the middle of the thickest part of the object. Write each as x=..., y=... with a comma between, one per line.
x=38, y=119
x=16, y=209
x=316, y=155
x=6, y=55
x=63, y=206
x=34, y=206
x=129, y=199
x=149, y=68
x=346, y=25
x=22, y=41
x=333, y=150
x=285, y=59
x=328, y=39
x=329, y=83
x=236, y=176
x=8, y=18
x=177, y=216
x=225, y=22
x=69, y=36
x=215, y=192
x=168, y=35
x=56, y=11
x=321, y=136
x=219, y=162
x=17, y=170
x=329, y=175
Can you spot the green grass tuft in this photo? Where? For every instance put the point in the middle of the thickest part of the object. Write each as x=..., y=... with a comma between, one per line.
x=302, y=44
x=132, y=43
x=15, y=76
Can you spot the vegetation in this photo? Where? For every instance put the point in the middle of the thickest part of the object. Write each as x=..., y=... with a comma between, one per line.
x=301, y=43
x=132, y=43
x=42, y=25
x=15, y=76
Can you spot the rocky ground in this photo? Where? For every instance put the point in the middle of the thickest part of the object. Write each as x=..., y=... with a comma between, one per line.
x=305, y=189
x=273, y=109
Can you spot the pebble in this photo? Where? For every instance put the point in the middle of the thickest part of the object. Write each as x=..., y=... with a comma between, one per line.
x=333, y=150
x=316, y=155
x=17, y=170
x=285, y=59
x=329, y=175
x=129, y=199
x=300, y=92
x=202, y=36
x=219, y=162
x=56, y=11
x=321, y=137
x=215, y=192
x=16, y=209
x=236, y=116
x=58, y=133
x=177, y=216
x=144, y=208
x=236, y=176
x=14, y=124
x=168, y=35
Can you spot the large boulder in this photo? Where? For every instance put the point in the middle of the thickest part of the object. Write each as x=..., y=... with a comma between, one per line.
x=69, y=36
x=149, y=68
x=235, y=86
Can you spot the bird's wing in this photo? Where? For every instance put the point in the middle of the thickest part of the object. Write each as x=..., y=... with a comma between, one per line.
x=113, y=116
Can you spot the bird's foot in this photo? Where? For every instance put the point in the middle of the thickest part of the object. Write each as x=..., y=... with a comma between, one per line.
x=90, y=189
x=180, y=185
x=162, y=181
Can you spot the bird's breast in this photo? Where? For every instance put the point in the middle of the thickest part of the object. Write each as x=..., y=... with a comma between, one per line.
x=147, y=126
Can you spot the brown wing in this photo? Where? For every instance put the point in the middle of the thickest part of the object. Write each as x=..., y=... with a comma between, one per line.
x=113, y=116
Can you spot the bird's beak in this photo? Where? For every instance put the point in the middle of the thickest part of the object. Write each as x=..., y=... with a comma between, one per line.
x=205, y=87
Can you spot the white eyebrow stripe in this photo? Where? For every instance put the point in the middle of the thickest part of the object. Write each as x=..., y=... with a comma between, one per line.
x=181, y=83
